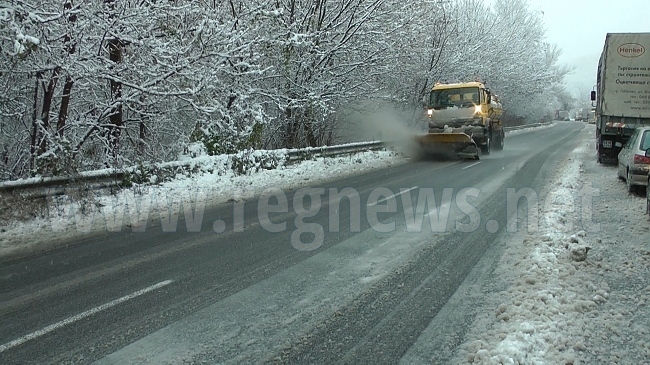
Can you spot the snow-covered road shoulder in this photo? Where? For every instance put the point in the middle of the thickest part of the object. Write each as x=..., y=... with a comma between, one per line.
x=576, y=289
x=528, y=130
x=66, y=218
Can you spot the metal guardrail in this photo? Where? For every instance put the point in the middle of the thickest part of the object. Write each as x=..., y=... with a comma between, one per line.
x=330, y=151
x=108, y=178
x=113, y=177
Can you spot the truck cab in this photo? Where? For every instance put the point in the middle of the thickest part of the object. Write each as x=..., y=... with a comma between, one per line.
x=469, y=108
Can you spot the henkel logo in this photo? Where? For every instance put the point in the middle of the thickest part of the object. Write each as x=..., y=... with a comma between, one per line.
x=631, y=50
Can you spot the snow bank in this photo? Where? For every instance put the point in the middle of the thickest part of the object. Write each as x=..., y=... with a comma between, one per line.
x=569, y=290
x=527, y=130
x=208, y=181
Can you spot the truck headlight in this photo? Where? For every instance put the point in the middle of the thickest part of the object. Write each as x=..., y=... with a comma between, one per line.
x=430, y=113
x=477, y=109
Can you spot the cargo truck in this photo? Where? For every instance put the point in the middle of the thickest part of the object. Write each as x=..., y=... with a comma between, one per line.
x=622, y=93
x=582, y=115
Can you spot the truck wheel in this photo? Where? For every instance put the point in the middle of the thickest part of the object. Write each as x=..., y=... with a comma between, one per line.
x=500, y=141
x=485, y=148
x=600, y=154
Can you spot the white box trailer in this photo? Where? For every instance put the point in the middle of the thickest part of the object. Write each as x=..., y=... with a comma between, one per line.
x=563, y=115
x=622, y=92
x=582, y=115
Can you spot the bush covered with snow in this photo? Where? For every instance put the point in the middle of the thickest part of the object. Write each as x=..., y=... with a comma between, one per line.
x=249, y=161
x=193, y=150
x=242, y=163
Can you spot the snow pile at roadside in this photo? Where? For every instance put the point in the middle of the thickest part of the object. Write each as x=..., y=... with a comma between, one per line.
x=563, y=301
x=527, y=130
x=190, y=194
x=530, y=324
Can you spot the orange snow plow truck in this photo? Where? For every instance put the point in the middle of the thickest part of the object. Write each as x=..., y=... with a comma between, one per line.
x=463, y=119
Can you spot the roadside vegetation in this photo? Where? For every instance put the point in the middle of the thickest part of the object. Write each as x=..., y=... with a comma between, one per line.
x=91, y=85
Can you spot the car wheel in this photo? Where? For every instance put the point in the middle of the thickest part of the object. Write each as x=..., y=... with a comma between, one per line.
x=647, y=197
x=630, y=188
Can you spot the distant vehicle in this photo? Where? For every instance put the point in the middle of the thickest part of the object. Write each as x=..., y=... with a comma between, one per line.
x=634, y=159
x=582, y=115
x=592, y=116
x=622, y=92
x=563, y=115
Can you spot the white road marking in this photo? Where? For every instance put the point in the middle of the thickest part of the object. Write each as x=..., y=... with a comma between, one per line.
x=80, y=316
x=392, y=196
x=474, y=164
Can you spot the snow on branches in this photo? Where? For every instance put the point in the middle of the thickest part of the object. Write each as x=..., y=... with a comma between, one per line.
x=94, y=84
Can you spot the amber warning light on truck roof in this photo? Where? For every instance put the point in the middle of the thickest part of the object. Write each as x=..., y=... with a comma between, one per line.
x=631, y=50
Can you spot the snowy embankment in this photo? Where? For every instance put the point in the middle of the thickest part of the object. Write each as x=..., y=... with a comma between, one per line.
x=197, y=184
x=561, y=306
x=528, y=130
x=209, y=183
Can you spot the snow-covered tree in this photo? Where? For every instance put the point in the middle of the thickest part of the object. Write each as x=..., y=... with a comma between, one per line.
x=321, y=53
x=90, y=84
x=503, y=46
x=114, y=81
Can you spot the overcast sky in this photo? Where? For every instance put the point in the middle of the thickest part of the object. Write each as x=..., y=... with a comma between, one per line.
x=579, y=28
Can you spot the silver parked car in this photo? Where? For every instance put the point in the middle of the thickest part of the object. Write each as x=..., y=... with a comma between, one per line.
x=634, y=160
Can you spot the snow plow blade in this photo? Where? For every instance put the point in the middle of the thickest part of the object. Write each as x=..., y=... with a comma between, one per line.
x=448, y=145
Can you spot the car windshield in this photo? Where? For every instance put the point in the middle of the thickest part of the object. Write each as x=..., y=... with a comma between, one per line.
x=645, y=141
x=462, y=97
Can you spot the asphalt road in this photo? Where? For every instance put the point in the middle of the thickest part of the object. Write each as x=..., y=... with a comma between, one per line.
x=249, y=295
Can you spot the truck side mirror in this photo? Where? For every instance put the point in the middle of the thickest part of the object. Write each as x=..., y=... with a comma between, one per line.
x=593, y=95
x=647, y=152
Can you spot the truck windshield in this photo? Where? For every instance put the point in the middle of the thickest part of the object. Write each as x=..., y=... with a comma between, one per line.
x=465, y=97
